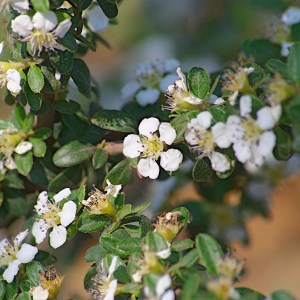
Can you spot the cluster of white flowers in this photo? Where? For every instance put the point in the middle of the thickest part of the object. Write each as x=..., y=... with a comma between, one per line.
x=149, y=147
x=152, y=78
x=253, y=139
x=53, y=215
x=15, y=253
x=41, y=31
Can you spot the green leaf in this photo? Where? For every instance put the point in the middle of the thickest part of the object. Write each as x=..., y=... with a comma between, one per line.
x=73, y=154
x=202, y=170
x=120, y=173
x=124, y=211
x=68, y=178
x=155, y=242
x=2, y=289
x=190, y=287
x=281, y=295
x=24, y=162
x=99, y=158
x=95, y=253
x=110, y=9
x=278, y=66
x=209, y=251
x=121, y=247
x=62, y=61
x=12, y=289
x=39, y=147
x=114, y=120
x=24, y=296
x=66, y=107
x=32, y=270
x=293, y=109
x=283, y=147
x=198, y=82
x=42, y=133
x=186, y=261
x=82, y=77
x=69, y=42
x=182, y=245
x=34, y=100
x=293, y=63
x=138, y=209
x=82, y=4
x=35, y=79
x=91, y=223
x=248, y=294
x=40, y=5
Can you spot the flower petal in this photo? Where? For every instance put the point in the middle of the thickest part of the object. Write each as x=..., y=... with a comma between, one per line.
x=204, y=119
x=39, y=230
x=166, y=82
x=130, y=89
x=20, y=5
x=63, y=194
x=291, y=16
x=38, y=293
x=266, y=143
x=112, y=189
x=11, y=271
x=245, y=105
x=22, y=25
x=41, y=206
x=1, y=46
x=163, y=254
x=58, y=236
x=68, y=213
x=265, y=118
x=171, y=159
x=20, y=238
x=23, y=147
x=219, y=132
x=13, y=78
x=27, y=253
x=219, y=162
x=242, y=151
x=62, y=28
x=45, y=21
x=167, y=133
x=132, y=146
x=148, y=96
x=170, y=65
x=147, y=167
x=163, y=284
x=235, y=130
x=113, y=266
x=148, y=126
x=110, y=293
x=285, y=48
x=97, y=20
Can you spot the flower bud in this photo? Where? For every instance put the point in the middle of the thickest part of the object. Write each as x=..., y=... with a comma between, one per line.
x=168, y=225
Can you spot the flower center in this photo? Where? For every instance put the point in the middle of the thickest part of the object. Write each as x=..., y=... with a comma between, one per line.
x=8, y=255
x=251, y=131
x=52, y=215
x=149, y=77
x=8, y=143
x=39, y=39
x=153, y=147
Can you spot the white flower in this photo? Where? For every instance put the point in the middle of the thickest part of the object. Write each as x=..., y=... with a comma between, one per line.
x=291, y=16
x=12, y=255
x=96, y=19
x=53, y=215
x=41, y=31
x=104, y=286
x=150, y=147
x=12, y=80
x=163, y=289
x=223, y=288
x=23, y=147
x=203, y=139
x=178, y=95
x=18, y=5
x=152, y=78
x=39, y=293
x=253, y=140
